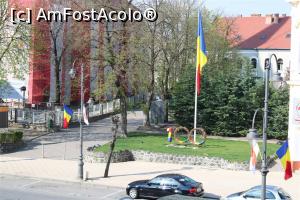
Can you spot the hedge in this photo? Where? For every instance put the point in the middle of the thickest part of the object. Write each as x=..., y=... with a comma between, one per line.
x=11, y=137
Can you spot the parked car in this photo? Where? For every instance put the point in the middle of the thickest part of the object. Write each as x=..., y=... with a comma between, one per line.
x=205, y=196
x=164, y=185
x=272, y=193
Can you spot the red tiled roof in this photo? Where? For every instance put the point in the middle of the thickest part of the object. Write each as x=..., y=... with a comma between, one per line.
x=253, y=32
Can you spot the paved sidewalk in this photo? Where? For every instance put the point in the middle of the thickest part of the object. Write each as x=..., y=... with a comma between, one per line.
x=65, y=143
x=216, y=181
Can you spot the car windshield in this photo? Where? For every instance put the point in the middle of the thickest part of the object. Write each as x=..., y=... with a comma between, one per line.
x=186, y=181
x=283, y=195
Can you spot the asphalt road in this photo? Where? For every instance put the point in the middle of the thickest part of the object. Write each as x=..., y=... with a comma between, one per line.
x=20, y=188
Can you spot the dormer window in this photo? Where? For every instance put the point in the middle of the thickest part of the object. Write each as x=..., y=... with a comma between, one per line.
x=263, y=37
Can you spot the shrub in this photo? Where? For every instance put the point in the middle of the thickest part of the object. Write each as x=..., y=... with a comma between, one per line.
x=279, y=112
x=11, y=137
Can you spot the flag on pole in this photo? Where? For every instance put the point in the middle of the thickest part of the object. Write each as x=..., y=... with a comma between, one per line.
x=201, y=60
x=283, y=154
x=201, y=53
x=169, y=130
x=254, y=154
x=85, y=118
x=68, y=112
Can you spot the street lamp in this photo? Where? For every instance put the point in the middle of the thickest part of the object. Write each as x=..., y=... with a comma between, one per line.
x=252, y=135
x=276, y=78
x=72, y=74
x=23, y=89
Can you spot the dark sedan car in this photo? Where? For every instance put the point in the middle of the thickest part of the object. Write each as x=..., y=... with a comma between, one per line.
x=272, y=192
x=180, y=197
x=164, y=185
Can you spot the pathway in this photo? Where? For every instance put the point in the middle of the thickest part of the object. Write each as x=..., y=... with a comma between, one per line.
x=65, y=144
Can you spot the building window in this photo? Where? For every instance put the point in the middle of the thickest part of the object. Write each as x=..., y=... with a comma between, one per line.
x=279, y=64
x=254, y=63
x=266, y=62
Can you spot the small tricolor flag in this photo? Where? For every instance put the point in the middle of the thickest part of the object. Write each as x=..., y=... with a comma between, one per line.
x=283, y=154
x=68, y=112
x=201, y=53
x=85, y=117
x=254, y=154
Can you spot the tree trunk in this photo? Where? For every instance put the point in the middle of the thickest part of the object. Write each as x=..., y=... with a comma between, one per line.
x=123, y=105
x=166, y=95
x=57, y=76
x=148, y=107
x=166, y=117
x=152, y=80
x=112, y=145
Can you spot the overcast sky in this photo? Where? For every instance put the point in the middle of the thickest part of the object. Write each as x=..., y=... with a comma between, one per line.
x=247, y=7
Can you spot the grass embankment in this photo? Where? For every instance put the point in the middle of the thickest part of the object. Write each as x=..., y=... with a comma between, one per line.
x=227, y=149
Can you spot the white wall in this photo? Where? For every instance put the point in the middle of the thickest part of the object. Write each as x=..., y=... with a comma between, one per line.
x=261, y=54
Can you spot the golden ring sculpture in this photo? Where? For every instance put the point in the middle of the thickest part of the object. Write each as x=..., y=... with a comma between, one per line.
x=187, y=137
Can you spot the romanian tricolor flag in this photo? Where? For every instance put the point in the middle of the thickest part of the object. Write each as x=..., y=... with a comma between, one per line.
x=68, y=112
x=283, y=154
x=254, y=154
x=169, y=134
x=201, y=53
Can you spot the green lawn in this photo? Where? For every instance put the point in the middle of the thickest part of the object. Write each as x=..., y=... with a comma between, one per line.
x=229, y=150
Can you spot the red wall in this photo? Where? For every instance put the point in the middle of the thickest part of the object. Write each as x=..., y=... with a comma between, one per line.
x=39, y=77
x=40, y=55
x=39, y=58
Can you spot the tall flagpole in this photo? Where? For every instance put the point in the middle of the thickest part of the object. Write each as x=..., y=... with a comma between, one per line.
x=196, y=92
x=201, y=61
x=196, y=104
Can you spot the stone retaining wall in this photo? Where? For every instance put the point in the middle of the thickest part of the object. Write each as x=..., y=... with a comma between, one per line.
x=206, y=162
x=100, y=157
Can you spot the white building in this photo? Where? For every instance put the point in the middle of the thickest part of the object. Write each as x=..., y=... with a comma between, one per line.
x=260, y=36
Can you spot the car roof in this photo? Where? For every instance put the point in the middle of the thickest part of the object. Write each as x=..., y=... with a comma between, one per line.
x=269, y=187
x=170, y=175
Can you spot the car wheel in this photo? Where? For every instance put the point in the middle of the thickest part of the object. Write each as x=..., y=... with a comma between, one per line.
x=133, y=193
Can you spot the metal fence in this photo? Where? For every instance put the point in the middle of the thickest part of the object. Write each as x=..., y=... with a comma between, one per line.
x=42, y=117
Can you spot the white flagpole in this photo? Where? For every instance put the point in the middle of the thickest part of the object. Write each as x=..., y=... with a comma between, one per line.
x=196, y=103
x=196, y=95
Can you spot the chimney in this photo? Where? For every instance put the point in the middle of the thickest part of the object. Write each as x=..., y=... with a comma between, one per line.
x=255, y=15
x=283, y=15
x=269, y=19
x=276, y=18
